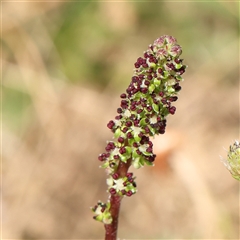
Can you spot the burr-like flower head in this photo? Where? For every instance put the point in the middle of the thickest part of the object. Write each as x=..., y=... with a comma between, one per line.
x=233, y=160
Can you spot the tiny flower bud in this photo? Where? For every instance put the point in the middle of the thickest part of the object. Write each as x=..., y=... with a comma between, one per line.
x=129, y=175
x=112, y=191
x=129, y=193
x=172, y=110
x=122, y=150
x=115, y=176
x=129, y=135
x=100, y=158
x=123, y=95
x=123, y=191
x=110, y=124
x=128, y=123
x=121, y=139
x=119, y=110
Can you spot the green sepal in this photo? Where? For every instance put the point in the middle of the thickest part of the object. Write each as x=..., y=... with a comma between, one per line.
x=151, y=65
x=141, y=160
x=171, y=82
x=128, y=150
x=131, y=141
x=138, y=96
x=170, y=89
x=178, y=65
x=138, y=163
x=147, y=153
x=152, y=130
x=118, y=144
x=131, y=188
x=142, y=122
x=111, y=157
x=150, y=101
x=155, y=107
x=148, y=163
x=156, y=82
x=117, y=133
x=107, y=218
x=164, y=111
x=123, y=158
x=179, y=77
x=165, y=74
x=99, y=218
x=151, y=88
x=135, y=155
x=137, y=138
x=237, y=177
x=105, y=165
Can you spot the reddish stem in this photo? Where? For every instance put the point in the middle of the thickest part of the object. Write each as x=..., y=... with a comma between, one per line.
x=115, y=203
x=111, y=229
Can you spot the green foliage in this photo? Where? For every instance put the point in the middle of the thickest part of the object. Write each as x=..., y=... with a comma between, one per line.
x=14, y=105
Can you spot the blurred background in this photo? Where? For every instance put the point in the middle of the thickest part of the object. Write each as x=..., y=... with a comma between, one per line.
x=64, y=66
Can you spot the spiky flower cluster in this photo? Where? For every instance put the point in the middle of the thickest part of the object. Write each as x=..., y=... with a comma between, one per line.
x=143, y=111
x=121, y=186
x=233, y=160
x=102, y=212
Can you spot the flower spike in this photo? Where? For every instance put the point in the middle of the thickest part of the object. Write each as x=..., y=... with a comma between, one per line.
x=142, y=113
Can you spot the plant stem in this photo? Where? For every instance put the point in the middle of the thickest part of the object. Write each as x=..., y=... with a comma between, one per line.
x=115, y=203
x=111, y=229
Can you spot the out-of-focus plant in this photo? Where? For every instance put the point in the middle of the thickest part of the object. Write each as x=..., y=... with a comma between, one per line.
x=232, y=162
x=142, y=114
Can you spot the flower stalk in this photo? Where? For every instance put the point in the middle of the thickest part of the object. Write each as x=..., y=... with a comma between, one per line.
x=142, y=114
